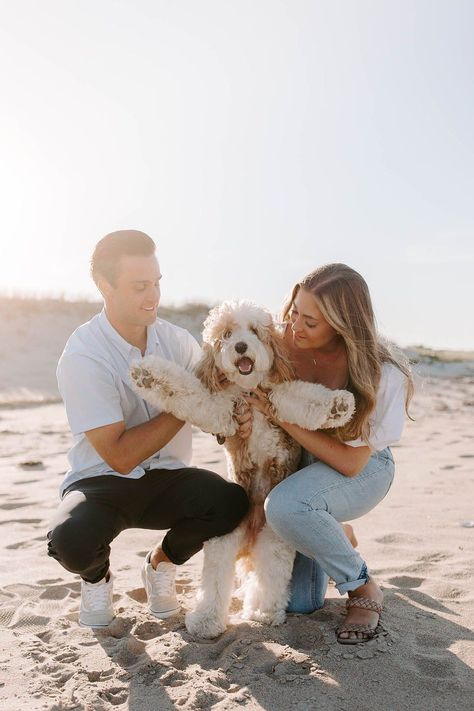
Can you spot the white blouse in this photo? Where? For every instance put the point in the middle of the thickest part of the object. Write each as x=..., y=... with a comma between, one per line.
x=388, y=417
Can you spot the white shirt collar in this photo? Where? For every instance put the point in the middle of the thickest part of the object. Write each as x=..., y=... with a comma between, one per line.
x=124, y=346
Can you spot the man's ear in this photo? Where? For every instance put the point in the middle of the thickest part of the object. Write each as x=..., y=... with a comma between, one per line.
x=104, y=287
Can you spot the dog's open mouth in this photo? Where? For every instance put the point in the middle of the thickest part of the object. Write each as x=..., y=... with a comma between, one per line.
x=245, y=365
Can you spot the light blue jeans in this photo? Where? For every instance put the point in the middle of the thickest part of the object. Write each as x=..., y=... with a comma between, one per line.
x=306, y=510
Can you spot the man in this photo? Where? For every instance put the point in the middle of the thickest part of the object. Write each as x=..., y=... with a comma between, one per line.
x=129, y=464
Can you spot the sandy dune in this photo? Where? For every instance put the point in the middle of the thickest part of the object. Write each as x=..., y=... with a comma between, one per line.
x=418, y=543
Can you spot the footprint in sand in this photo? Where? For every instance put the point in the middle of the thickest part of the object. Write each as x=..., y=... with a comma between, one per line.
x=31, y=521
x=56, y=592
x=32, y=543
x=202, y=699
x=433, y=557
x=148, y=630
x=29, y=622
x=405, y=581
x=31, y=608
x=119, y=628
x=33, y=464
x=174, y=677
x=403, y=538
x=128, y=652
x=6, y=616
x=116, y=695
x=138, y=594
x=24, y=592
x=68, y=656
x=306, y=634
x=435, y=667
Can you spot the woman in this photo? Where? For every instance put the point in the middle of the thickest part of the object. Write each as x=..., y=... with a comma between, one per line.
x=331, y=336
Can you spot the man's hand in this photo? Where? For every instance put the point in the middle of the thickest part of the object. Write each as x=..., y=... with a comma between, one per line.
x=244, y=417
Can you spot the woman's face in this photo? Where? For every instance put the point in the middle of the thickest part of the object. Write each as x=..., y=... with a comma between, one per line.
x=308, y=326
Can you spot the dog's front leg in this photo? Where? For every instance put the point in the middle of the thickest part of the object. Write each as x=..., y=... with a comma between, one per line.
x=209, y=619
x=171, y=388
x=311, y=405
x=267, y=598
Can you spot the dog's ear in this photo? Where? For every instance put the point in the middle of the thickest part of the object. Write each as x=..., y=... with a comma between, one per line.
x=282, y=370
x=207, y=371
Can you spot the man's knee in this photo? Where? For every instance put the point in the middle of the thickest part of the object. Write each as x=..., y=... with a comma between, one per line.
x=70, y=545
x=233, y=506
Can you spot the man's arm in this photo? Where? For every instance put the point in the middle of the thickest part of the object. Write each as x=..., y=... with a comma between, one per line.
x=124, y=449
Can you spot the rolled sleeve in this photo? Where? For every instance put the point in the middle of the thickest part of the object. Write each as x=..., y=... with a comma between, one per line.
x=387, y=421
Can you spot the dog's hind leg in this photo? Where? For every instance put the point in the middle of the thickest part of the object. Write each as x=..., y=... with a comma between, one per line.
x=209, y=619
x=269, y=592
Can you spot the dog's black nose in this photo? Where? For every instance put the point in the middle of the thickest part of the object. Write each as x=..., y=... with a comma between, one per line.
x=241, y=347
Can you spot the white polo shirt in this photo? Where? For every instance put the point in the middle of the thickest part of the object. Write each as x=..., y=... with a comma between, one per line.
x=388, y=417
x=94, y=382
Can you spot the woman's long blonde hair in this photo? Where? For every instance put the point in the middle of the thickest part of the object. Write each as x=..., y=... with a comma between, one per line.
x=343, y=298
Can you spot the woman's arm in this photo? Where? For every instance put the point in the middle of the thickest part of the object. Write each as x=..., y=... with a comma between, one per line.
x=345, y=459
x=342, y=457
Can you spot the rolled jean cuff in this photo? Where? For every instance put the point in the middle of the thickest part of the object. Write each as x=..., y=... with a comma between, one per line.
x=354, y=584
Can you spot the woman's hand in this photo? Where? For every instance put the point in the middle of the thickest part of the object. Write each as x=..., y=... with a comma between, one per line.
x=244, y=417
x=258, y=398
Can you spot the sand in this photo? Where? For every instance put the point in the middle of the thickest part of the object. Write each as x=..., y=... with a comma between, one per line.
x=418, y=543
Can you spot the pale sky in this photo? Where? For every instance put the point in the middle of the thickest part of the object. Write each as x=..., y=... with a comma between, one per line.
x=253, y=140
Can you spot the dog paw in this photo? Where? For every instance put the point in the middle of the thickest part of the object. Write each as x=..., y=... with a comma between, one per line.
x=339, y=408
x=265, y=617
x=204, y=625
x=341, y=411
x=142, y=377
x=276, y=618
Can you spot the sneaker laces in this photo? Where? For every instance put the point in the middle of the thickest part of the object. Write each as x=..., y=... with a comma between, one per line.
x=97, y=598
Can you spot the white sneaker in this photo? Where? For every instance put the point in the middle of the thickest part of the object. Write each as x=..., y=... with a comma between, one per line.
x=97, y=608
x=160, y=588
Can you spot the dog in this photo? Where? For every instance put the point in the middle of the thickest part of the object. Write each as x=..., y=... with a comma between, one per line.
x=243, y=350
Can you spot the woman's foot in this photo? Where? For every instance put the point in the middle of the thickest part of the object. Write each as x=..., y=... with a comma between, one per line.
x=349, y=531
x=367, y=596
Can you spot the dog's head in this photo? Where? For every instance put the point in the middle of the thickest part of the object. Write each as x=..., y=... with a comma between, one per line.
x=241, y=341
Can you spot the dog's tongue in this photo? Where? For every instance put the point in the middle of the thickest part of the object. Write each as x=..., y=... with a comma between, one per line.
x=245, y=366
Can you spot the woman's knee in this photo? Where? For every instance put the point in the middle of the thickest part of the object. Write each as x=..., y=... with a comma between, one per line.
x=280, y=505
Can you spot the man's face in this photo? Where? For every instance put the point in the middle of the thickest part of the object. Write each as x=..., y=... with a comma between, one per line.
x=134, y=298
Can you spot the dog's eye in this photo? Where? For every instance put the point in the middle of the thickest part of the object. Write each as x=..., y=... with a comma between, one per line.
x=228, y=333
x=254, y=329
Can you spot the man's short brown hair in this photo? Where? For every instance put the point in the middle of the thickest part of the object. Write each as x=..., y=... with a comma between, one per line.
x=107, y=252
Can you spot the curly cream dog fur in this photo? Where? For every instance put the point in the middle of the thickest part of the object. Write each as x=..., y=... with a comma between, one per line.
x=242, y=342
